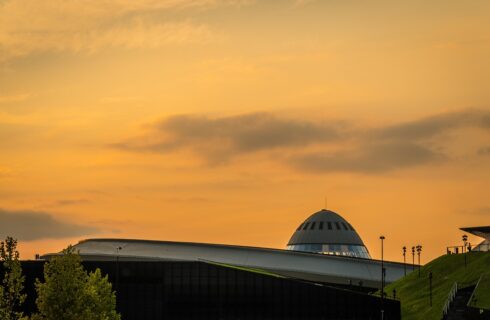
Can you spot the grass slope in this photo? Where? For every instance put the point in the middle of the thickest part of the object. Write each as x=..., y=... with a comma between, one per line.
x=413, y=291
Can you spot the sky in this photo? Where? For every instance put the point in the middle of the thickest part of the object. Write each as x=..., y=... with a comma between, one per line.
x=231, y=121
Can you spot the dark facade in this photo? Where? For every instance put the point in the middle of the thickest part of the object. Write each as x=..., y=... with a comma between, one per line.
x=198, y=290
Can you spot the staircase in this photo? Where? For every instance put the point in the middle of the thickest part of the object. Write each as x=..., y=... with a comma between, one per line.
x=458, y=309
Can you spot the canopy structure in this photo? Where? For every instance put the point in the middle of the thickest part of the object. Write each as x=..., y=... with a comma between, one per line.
x=482, y=232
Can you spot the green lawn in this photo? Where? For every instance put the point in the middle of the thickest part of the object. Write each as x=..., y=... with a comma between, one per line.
x=413, y=291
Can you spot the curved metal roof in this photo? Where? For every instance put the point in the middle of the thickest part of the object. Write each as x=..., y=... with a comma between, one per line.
x=325, y=227
x=301, y=265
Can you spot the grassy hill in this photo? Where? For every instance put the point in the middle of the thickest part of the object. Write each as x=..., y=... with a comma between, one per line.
x=413, y=291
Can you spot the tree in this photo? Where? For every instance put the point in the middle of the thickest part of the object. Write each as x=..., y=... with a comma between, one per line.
x=69, y=293
x=12, y=284
x=102, y=298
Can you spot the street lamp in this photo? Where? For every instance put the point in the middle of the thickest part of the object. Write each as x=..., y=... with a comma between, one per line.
x=404, y=260
x=465, y=238
x=382, y=277
x=118, y=248
x=413, y=258
x=419, y=250
x=430, y=287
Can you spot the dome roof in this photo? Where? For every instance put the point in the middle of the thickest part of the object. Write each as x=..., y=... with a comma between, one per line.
x=325, y=227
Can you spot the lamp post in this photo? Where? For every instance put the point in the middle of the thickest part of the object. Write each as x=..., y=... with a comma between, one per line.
x=118, y=248
x=419, y=250
x=405, y=260
x=382, y=277
x=465, y=238
x=430, y=288
x=413, y=258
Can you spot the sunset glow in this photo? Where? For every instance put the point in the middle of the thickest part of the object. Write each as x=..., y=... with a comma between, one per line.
x=231, y=121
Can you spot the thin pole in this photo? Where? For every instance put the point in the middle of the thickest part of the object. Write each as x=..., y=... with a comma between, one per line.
x=117, y=268
x=430, y=287
x=117, y=273
x=419, y=251
x=405, y=260
x=382, y=277
x=465, y=238
x=413, y=258
x=418, y=254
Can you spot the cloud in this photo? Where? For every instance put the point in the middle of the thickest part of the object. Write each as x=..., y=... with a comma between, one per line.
x=67, y=202
x=432, y=126
x=91, y=25
x=480, y=211
x=372, y=158
x=33, y=225
x=308, y=143
x=483, y=211
x=14, y=98
x=301, y=3
x=484, y=151
x=222, y=138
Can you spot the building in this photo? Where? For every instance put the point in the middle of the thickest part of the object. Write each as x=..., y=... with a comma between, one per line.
x=325, y=272
x=324, y=249
x=482, y=232
x=184, y=290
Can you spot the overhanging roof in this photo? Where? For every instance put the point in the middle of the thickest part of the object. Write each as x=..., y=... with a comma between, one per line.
x=483, y=232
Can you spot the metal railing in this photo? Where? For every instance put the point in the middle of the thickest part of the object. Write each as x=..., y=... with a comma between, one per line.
x=449, y=299
x=482, y=247
x=474, y=290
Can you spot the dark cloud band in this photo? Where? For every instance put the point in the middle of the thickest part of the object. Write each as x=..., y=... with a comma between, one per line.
x=369, y=150
x=32, y=225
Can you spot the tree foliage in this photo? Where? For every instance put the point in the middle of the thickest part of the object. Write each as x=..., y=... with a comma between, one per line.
x=12, y=282
x=70, y=293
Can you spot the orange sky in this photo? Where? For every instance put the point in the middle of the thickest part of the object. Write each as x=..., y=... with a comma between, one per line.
x=229, y=121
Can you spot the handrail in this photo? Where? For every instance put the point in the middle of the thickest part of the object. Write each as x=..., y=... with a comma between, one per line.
x=450, y=299
x=474, y=290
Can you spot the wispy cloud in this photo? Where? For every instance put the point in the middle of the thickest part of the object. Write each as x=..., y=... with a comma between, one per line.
x=67, y=202
x=223, y=138
x=90, y=25
x=34, y=225
x=368, y=158
x=309, y=144
x=435, y=125
x=14, y=98
x=484, y=151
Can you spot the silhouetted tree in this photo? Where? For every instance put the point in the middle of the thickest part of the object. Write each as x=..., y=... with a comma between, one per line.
x=12, y=281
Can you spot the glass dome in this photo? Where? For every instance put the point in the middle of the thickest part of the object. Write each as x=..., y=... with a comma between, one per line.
x=326, y=232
